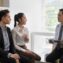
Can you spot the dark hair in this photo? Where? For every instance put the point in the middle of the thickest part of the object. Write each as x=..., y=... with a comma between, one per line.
x=3, y=13
x=61, y=10
x=17, y=17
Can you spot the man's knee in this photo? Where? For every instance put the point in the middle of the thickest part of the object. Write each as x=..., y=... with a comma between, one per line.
x=11, y=60
x=49, y=59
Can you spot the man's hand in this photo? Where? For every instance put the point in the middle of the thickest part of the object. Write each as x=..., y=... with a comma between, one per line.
x=15, y=56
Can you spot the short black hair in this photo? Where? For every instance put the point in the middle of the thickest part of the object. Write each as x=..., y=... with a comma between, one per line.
x=61, y=10
x=3, y=13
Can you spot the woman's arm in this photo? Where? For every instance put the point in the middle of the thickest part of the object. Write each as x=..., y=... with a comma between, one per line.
x=15, y=44
x=26, y=35
x=19, y=48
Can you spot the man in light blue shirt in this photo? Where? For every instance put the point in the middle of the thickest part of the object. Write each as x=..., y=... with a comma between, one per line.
x=58, y=51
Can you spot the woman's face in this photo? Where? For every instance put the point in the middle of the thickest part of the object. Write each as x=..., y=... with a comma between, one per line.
x=23, y=20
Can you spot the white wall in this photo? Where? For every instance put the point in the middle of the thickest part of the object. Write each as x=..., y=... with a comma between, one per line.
x=33, y=11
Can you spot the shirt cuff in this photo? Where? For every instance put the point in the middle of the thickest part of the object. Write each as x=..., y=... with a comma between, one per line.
x=9, y=55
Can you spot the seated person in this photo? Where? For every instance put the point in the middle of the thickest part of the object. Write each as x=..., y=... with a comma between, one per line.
x=57, y=53
x=20, y=35
x=7, y=50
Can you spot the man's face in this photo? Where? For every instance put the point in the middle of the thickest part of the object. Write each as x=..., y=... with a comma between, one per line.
x=60, y=17
x=6, y=19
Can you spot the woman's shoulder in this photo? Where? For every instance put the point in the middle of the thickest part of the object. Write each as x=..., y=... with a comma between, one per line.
x=14, y=29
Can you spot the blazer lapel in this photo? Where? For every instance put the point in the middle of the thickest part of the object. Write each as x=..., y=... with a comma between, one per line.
x=1, y=39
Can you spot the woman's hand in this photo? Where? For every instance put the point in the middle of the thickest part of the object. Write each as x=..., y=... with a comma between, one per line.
x=25, y=38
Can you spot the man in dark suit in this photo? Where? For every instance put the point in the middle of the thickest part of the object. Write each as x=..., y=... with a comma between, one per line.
x=7, y=50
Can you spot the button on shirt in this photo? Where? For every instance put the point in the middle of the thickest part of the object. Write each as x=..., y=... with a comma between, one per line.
x=6, y=38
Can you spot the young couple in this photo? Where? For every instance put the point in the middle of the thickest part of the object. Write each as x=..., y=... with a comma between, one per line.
x=12, y=43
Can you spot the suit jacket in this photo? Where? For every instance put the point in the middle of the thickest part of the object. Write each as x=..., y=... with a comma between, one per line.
x=4, y=54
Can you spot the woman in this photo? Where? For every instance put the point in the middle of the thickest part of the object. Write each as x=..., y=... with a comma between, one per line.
x=21, y=37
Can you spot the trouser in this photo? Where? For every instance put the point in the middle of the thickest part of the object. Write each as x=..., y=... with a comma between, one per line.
x=54, y=55
x=25, y=59
x=33, y=55
x=8, y=60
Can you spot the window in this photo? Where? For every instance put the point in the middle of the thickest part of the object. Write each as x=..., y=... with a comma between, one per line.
x=52, y=8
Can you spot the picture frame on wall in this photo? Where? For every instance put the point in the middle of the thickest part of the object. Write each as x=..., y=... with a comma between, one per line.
x=4, y=3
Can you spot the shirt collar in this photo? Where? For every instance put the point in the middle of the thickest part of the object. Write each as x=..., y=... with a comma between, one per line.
x=3, y=27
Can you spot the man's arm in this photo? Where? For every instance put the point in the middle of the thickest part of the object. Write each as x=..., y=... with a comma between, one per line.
x=3, y=53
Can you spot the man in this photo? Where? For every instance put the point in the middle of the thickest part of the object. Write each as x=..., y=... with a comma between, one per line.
x=7, y=51
x=58, y=51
